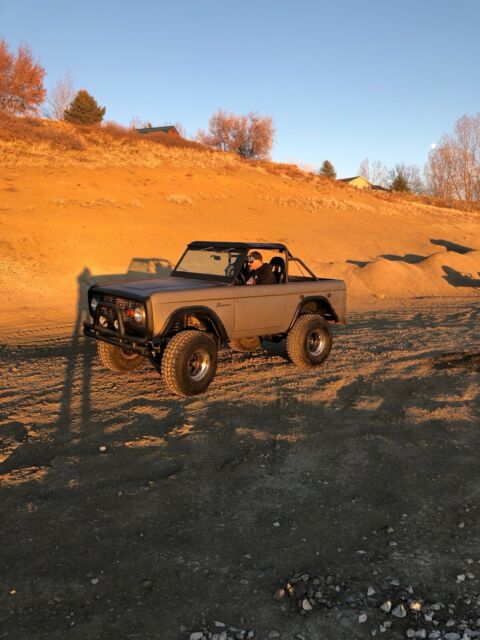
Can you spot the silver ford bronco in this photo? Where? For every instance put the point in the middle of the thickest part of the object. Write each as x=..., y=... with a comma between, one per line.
x=179, y=322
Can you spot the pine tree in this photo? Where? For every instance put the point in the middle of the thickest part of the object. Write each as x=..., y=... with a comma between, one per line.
x=400, y=183
x=328, y=170
x=84, y=109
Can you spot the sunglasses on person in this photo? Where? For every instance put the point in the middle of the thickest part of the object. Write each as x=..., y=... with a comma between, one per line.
x=250, y=259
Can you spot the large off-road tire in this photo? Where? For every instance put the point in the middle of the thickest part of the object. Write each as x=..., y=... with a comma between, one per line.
x=189, y=363
x=118, y=359
x=309, y=341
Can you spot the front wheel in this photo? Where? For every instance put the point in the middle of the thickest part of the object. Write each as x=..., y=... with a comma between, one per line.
x=309, y=341
x=119, y=359
x=189, y=363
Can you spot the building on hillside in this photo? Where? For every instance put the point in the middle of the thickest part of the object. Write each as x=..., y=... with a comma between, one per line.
x=359, y=182
x=169, y=130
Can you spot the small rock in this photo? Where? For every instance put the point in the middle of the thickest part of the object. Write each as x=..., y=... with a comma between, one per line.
x=196, y=635
x=386, y=606
x=461, y=525
x=273, y=634
x=415, y=606
x=95, y=580
x=102, y=449
x=362, y=617
x=395, y=582
x=461, y=577
x=306, y=606
x=371, y=591
x=471, y=576
x=421, y=633
x=410, y=633
x=452, y=636
x=219, y=625
x=279, y=594
x=276, y=524
x=399, y=611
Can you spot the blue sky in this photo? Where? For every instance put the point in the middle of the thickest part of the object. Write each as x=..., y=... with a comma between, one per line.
x=342, y=81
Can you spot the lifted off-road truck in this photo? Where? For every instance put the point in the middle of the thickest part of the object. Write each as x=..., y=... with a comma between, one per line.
x=180, y=322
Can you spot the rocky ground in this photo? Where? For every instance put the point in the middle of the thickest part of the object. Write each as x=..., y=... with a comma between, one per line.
x=338, y=503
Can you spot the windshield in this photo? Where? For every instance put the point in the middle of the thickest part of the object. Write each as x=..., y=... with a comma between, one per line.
x=210, y=263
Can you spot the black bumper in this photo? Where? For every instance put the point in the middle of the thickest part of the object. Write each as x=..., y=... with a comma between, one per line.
x=132, y=343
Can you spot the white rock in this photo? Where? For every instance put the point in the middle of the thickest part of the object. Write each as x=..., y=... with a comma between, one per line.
x=102, y=449
x=399, y=611
x=387, y=624
x=276, y=524
x=362, y=617
x=410, y=633
x=461, y=577
x=95, y=580
x=371, y=591
x=219, y=624
x=421, y=633
x=471, y=576
x=306, y=606
x=386, y=606
x=196, y=635
x=451, y=635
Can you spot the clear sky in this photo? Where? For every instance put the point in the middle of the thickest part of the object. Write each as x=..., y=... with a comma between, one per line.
x=342, y=80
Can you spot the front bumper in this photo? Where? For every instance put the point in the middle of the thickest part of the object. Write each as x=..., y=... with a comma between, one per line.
x=120, y=337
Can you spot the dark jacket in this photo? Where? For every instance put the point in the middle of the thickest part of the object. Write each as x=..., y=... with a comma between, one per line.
x=263, y=275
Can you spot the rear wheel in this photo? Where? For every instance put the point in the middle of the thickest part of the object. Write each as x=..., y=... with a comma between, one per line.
x=309, y=341
x=189, y=363
x=119, y=359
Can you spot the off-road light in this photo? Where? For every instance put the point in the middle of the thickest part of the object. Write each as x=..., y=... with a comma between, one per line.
x=139, y=315
x=93, y=304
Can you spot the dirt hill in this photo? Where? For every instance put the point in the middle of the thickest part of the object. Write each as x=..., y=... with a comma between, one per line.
x=79, y=202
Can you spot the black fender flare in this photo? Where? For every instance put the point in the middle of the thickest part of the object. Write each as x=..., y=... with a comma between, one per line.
x=179, y=315
x=321, y=300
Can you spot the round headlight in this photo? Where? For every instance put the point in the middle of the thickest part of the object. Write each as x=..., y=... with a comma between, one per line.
x=93, y=304
x=139, y=315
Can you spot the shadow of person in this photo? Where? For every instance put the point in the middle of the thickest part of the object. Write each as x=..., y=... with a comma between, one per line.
x=457, y=279
x=77, y=357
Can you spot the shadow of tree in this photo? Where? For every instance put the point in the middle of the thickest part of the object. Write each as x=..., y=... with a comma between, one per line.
x=457, y=279
x=409, y=258
x=451, y=246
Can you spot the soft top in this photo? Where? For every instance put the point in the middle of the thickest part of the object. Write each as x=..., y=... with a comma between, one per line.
x=205, y=244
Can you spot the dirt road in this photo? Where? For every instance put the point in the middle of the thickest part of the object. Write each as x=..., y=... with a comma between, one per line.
x=128, y=513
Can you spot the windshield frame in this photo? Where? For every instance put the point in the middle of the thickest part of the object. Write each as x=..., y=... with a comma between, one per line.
x=210, y=277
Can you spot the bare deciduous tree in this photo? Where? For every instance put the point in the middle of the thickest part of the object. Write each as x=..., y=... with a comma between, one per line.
x=250, y=136
x=410, y=174
x=61, y=96
x=375, y=172
x=453, y=166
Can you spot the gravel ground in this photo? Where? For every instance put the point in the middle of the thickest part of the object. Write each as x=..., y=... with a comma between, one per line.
x=129, y=513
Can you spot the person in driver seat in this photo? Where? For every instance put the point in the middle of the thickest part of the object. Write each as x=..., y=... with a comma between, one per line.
x=259, y=273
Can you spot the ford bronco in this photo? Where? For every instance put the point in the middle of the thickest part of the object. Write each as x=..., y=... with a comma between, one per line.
x=180, y=322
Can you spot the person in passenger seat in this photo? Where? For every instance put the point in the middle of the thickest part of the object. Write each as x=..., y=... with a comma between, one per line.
x=259, y=273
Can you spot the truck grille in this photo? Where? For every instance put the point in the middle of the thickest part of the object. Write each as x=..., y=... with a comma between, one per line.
x=124, y=304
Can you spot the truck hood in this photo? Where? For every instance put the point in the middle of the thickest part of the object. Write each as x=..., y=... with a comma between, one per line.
x=145, y=288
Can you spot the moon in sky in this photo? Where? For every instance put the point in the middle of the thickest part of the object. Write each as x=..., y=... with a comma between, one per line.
x=433, y=145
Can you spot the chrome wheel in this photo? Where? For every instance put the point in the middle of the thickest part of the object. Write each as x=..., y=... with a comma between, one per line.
x=198, y=365
x=316, y=342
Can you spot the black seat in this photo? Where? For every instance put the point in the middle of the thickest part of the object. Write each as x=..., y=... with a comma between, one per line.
x=278, y=268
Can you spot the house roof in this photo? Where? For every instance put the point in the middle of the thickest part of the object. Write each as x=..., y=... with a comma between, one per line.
x=352, y=178
x=165, y=129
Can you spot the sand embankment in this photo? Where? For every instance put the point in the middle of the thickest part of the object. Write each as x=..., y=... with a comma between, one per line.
x=82, y=213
